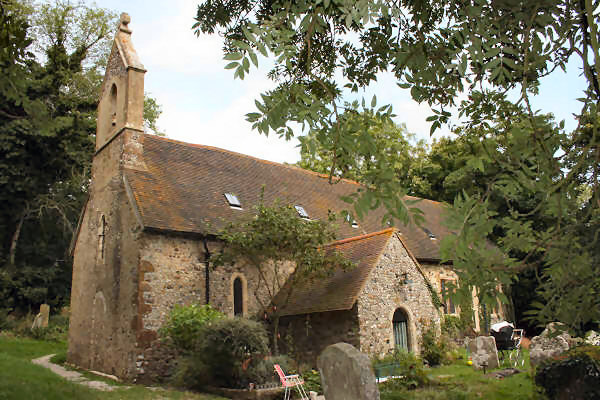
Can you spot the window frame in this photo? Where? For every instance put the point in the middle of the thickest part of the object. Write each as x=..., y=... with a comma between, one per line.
x=233, y=201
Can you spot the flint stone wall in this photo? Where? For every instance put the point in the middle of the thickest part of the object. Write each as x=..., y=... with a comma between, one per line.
x=384, y=292
x=172, y=271
x=306, y=336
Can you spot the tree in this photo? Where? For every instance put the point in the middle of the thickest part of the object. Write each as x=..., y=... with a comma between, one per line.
x=47, y=127
x=323, y=48
x=384, y=145
x=152, y=111
x=268, y=243
x=50, y=77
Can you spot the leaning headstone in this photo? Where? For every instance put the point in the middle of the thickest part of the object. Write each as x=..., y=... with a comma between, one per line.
x=552, y=342
x=483, y=352
x=41, y=319
x=346, y=373
x=37, y=322
x=45, y=312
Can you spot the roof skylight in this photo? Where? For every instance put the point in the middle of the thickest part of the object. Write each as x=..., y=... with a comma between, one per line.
x=233, y=201
x=301, y=211
x=429, y=233
x=354, y=223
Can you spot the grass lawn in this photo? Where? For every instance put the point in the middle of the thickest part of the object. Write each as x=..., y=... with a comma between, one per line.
x=462, y=382
x=20, y=379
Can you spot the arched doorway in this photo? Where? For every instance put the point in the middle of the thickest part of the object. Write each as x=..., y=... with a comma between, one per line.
x=400, y=326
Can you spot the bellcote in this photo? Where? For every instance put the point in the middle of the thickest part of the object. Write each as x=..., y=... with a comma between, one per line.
x=121, y=105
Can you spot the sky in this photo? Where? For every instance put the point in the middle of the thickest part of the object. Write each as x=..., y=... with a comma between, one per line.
x=203, y=104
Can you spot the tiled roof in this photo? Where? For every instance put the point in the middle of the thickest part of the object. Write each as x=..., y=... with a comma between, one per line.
x=183, y=190
x=339, y=290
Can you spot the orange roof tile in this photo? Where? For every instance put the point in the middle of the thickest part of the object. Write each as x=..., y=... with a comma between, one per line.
x=184, y=186
x=340, y=289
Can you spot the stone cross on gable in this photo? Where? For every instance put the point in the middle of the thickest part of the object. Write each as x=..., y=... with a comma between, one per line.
x=125, y=20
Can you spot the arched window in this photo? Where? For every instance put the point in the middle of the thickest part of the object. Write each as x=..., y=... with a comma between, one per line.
x=400, y=326
x=101, y=236
x=238, y=297
x=113, y=105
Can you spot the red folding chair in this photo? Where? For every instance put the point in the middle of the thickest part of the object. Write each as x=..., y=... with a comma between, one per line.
x=289, y=382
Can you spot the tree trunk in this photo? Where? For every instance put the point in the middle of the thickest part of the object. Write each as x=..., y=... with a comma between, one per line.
x=276, y=334
x=15, y=238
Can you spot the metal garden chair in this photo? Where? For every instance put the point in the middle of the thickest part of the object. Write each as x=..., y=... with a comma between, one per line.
x=289, y=382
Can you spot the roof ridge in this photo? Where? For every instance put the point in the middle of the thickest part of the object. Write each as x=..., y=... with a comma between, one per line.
x=361, y=237
x=290, y=166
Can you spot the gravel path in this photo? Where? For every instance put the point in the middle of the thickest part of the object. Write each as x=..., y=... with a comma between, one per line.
x=77, y=377
x=74, y=376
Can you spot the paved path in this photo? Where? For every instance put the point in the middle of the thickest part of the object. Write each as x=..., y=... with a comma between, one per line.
x=74, y=376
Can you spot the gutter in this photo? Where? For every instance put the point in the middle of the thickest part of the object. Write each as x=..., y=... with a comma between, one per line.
x=207, y=270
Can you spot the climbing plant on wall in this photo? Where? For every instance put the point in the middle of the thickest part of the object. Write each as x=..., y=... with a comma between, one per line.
x=268, y=242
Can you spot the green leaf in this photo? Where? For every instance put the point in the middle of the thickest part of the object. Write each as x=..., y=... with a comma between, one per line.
x=232, y=65
x=233, y=56
x=253, y=58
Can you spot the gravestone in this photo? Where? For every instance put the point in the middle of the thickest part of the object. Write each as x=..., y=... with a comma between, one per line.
x=483, y=352
x=346, y=373
x=45, y=312
x=551, y=342
x=41, y=320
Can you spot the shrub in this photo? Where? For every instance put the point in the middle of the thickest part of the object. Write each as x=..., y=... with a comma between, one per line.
x=263, y=371
x=192, y=373
x=57, y=329
x=185, y=324
x=312, y=381
x=6, y=323
x=453, y=326
x=574, y=374
x=434, y=349
x=228, y=352
x=408, y=367
x=229, y=346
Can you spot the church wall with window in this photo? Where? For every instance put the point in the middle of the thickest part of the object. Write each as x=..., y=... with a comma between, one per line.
x=395, y=305
x=105, y=281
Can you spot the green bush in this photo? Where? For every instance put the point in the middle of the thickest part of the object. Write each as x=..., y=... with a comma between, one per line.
x=454, y=326
x=228, y=352
x=185, y=324
x=229, y=346
x=434, y=349
x=57, y=329
x=408, y=367
x=574, y=374
x=263, y=371
x=192, y=373
x=6, y=324
x=312, y=381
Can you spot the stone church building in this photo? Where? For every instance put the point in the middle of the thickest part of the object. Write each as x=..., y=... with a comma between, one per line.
x=148, y=228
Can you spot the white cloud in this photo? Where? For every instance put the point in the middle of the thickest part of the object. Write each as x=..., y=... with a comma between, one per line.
x=169, y=43
x=227, y=128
